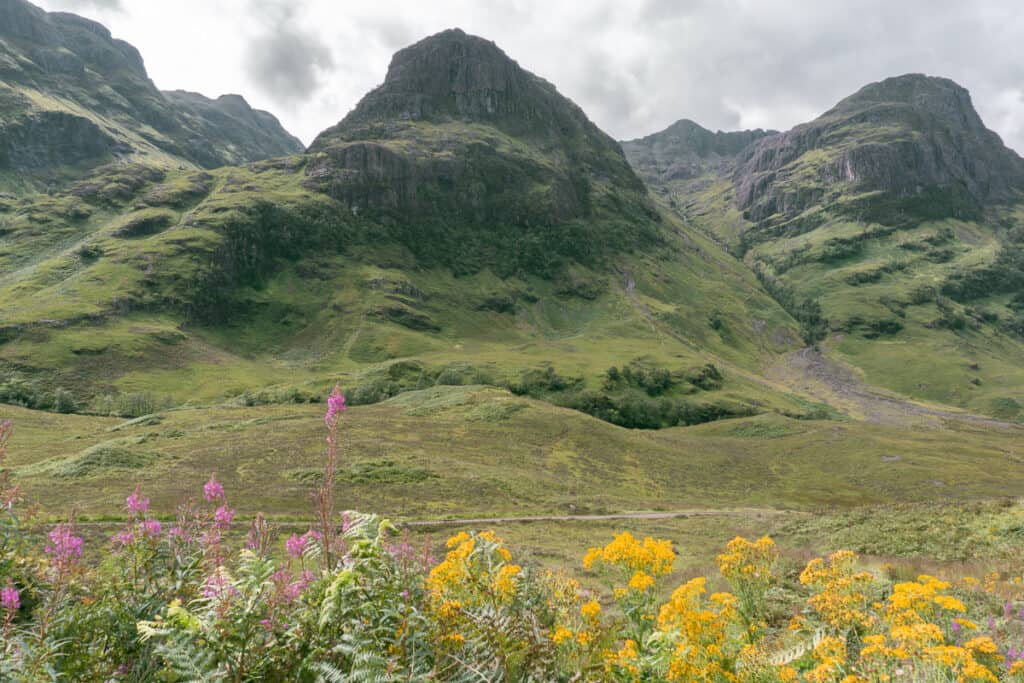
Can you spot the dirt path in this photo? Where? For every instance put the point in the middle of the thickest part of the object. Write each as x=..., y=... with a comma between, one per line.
x=480, y=521
x=812, y=373
x=677, y=514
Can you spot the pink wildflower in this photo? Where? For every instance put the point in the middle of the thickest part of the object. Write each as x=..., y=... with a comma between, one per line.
x=213, y=490
x=124, y=538
x=224, y=516
x=136, y=503
x=152, y=528
x=218, y=586
x=335, y=405
x=64, y=547
x=296, y=545
x=176, y=532
x=9, y=597
x=211, y=538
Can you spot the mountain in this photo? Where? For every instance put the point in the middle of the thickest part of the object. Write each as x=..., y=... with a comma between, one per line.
x=73, y=98
x=904, y=149
x=465, y=223
x=483, y=163
x=891, y=226
x=685, y=151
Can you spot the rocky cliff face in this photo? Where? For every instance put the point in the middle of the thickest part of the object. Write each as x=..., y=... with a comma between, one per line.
x=465, y=151
x=906, y=148
x=71, y=94
x=686, y=150
x=242, y=134
x=453, y=76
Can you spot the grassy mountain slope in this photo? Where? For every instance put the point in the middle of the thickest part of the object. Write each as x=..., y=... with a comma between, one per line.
x=891, y=227
x=73, y=98
x=468, y=227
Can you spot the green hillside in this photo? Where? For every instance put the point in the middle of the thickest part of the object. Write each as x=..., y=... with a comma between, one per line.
x=891, y=228
x=453, y=245
x=73, y=98
x=478, y=265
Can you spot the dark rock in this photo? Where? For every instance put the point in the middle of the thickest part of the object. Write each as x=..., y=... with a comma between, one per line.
x=405, y=317
x=915, y=143
x=67, y=58
x=52, y=138
x=686, y=150
x=144, y=226
x=475, y=162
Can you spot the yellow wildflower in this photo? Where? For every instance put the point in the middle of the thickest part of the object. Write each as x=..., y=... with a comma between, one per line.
x=591, y=609
x=561, y=635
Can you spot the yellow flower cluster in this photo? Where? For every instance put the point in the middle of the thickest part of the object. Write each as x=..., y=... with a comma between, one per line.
x=503, y=584
x=864, y=630
x=830, y=655
x=842, y=591
x=701, y=632
x=651, y=556
x=476, y=575
x=591, y=609
x=625, y=660
x=748, y=561
x=639, y=563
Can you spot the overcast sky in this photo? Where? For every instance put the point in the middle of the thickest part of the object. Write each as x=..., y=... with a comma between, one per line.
x=635, y=66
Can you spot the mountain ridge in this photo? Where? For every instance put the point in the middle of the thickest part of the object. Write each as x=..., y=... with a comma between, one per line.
x=891, y=226
x=70, y=91
x=915, y=139
x=450, y=242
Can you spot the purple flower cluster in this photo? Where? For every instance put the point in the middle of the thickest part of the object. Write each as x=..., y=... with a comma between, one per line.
x=335, y=405
x=140, y=527
x=223, y=516
x=123, y=538
x=213, y=490
x=64, y=548
x=296, y=545
x=9, y=599
x=136, y=503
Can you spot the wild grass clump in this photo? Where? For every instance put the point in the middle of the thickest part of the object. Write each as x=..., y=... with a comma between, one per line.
x=353, y=599
x=118, y=454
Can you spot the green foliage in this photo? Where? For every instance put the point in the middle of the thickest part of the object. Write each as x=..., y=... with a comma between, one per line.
x=813, y=325
x=33, y=394
x=129, y=404
x=1004, y=276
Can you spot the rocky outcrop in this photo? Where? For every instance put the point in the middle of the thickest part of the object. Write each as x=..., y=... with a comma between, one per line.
x=686, y=150
x=45, y=139
x=476, y=162
x=906, y=148
x=241, y=133
x=452, y=76
x=94, y=100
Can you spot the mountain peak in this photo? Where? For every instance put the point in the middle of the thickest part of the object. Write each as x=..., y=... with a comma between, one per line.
x=460, y=135
x=453, y=75
x=75, y=98
x=450, y=73
x=687, y=150
x=914, y=143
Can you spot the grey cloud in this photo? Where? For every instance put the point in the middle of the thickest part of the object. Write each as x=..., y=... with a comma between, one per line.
x=85, y=5
x=774, y=63
x=286, y=59
x=635, y=66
